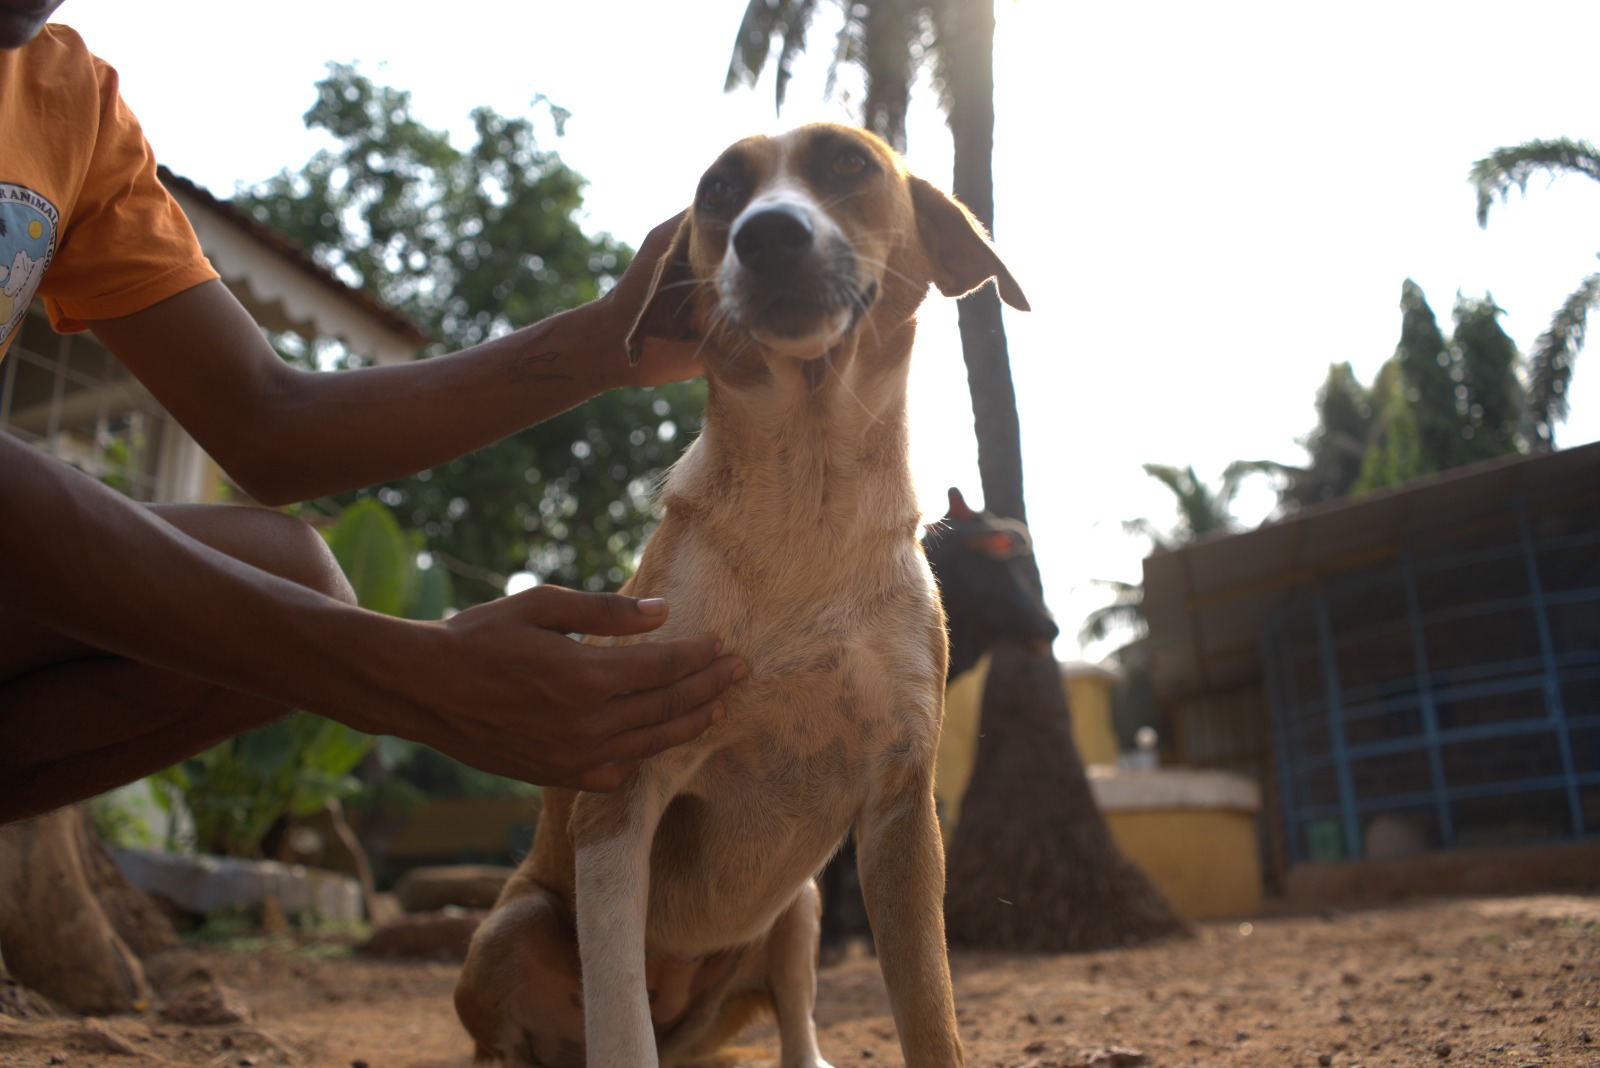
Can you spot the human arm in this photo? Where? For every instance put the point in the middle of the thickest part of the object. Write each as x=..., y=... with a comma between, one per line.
x=286, y=434
x=500, y=686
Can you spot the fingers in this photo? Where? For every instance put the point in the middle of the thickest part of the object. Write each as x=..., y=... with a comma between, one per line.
x=678, y=695
x=610, y=614
x=636, y=669
x=663, y=360
x=625, y=668
x=634, y=745
x=617, y=704
x=641, y=724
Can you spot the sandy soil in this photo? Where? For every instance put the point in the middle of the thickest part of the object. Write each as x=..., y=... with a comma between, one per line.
x=1486, y=982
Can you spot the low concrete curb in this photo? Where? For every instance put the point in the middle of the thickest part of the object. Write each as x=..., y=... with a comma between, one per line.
x=205, y=884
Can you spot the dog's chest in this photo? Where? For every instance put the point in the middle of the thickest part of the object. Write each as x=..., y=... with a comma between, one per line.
x=819, y=710
x=763, y=798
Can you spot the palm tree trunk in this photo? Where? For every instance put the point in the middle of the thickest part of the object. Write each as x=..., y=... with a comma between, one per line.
x=1032, y=863
x=970, y=70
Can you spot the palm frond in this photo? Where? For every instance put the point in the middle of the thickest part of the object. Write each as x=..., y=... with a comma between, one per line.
x=893, y=31
x=1283, y=477
x=764, y=20
x=938, y=40
x=1176, y=479
x=1504, y=168
x=1125, y=612
x=1159, y=539
x=1200, y=511
x=849, y=47
x=1549, y=367
x=794, y=43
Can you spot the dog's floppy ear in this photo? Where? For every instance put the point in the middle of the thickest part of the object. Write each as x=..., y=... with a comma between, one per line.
x=957, y=247
x=666, y=310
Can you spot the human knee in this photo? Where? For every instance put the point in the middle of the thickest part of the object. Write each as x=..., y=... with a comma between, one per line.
x=306, y=558
x=272, y=541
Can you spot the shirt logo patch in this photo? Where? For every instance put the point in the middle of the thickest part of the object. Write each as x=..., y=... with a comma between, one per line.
x=28, y=224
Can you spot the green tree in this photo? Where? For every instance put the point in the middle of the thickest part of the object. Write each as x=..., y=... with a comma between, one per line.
x=1393, y=452
x=385, y=564
x=1549, y=369
x=1443, y=402
x=1439, y=402
x=471, y=243
x=1030, y=836
x=1337, y=445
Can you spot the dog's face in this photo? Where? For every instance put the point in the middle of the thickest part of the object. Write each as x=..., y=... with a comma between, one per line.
x=794, y=242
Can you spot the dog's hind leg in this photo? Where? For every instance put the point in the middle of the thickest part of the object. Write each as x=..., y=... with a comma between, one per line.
x=792, y=979
x=518, y=994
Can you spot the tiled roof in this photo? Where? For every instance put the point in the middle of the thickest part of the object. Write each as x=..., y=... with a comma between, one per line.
x=297, y=254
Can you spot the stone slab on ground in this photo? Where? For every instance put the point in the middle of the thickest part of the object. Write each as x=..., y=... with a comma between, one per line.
x=467, y=886
x=205, y=884
x=442, y=936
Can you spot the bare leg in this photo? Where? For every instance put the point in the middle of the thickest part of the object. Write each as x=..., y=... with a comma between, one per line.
x=78, y=721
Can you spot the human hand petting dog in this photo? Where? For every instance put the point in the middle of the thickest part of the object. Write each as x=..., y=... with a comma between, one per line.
x=232, y=619
x=531, y=703
x=669, y=343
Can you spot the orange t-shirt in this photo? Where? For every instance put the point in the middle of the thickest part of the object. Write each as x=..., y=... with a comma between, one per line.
x=84, y=222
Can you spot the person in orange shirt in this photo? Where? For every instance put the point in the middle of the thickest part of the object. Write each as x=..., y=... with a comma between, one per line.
x=132, y=636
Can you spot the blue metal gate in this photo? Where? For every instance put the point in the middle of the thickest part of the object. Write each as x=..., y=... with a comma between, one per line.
x=1449, y=697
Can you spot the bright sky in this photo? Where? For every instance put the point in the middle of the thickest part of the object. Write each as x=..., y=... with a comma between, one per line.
x=1206, y=203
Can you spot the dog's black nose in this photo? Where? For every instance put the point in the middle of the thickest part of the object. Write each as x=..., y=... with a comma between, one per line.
x=772, y=240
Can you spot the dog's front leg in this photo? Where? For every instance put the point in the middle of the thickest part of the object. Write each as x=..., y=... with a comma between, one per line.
x=612, y=835
x=901, y=860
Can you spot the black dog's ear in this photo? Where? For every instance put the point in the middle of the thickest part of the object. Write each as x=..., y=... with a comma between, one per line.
x=666, y=310
x=957, y=247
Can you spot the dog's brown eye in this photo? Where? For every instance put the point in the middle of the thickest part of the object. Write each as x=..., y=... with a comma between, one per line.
x=716, y=193
x=850, y=163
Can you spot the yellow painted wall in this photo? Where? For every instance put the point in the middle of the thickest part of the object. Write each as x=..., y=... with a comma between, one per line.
x=1196, y=843
x=1088, y=698
x=1204, y=860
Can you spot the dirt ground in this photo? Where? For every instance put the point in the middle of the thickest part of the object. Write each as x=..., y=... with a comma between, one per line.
x=1510, y=981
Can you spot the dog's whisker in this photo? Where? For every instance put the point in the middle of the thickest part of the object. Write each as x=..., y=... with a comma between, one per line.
x=900, y=276
x=840, y=198
x=844, y=384
x=687, y=283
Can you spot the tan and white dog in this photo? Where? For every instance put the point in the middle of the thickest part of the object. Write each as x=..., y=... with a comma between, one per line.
x=650, y=924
